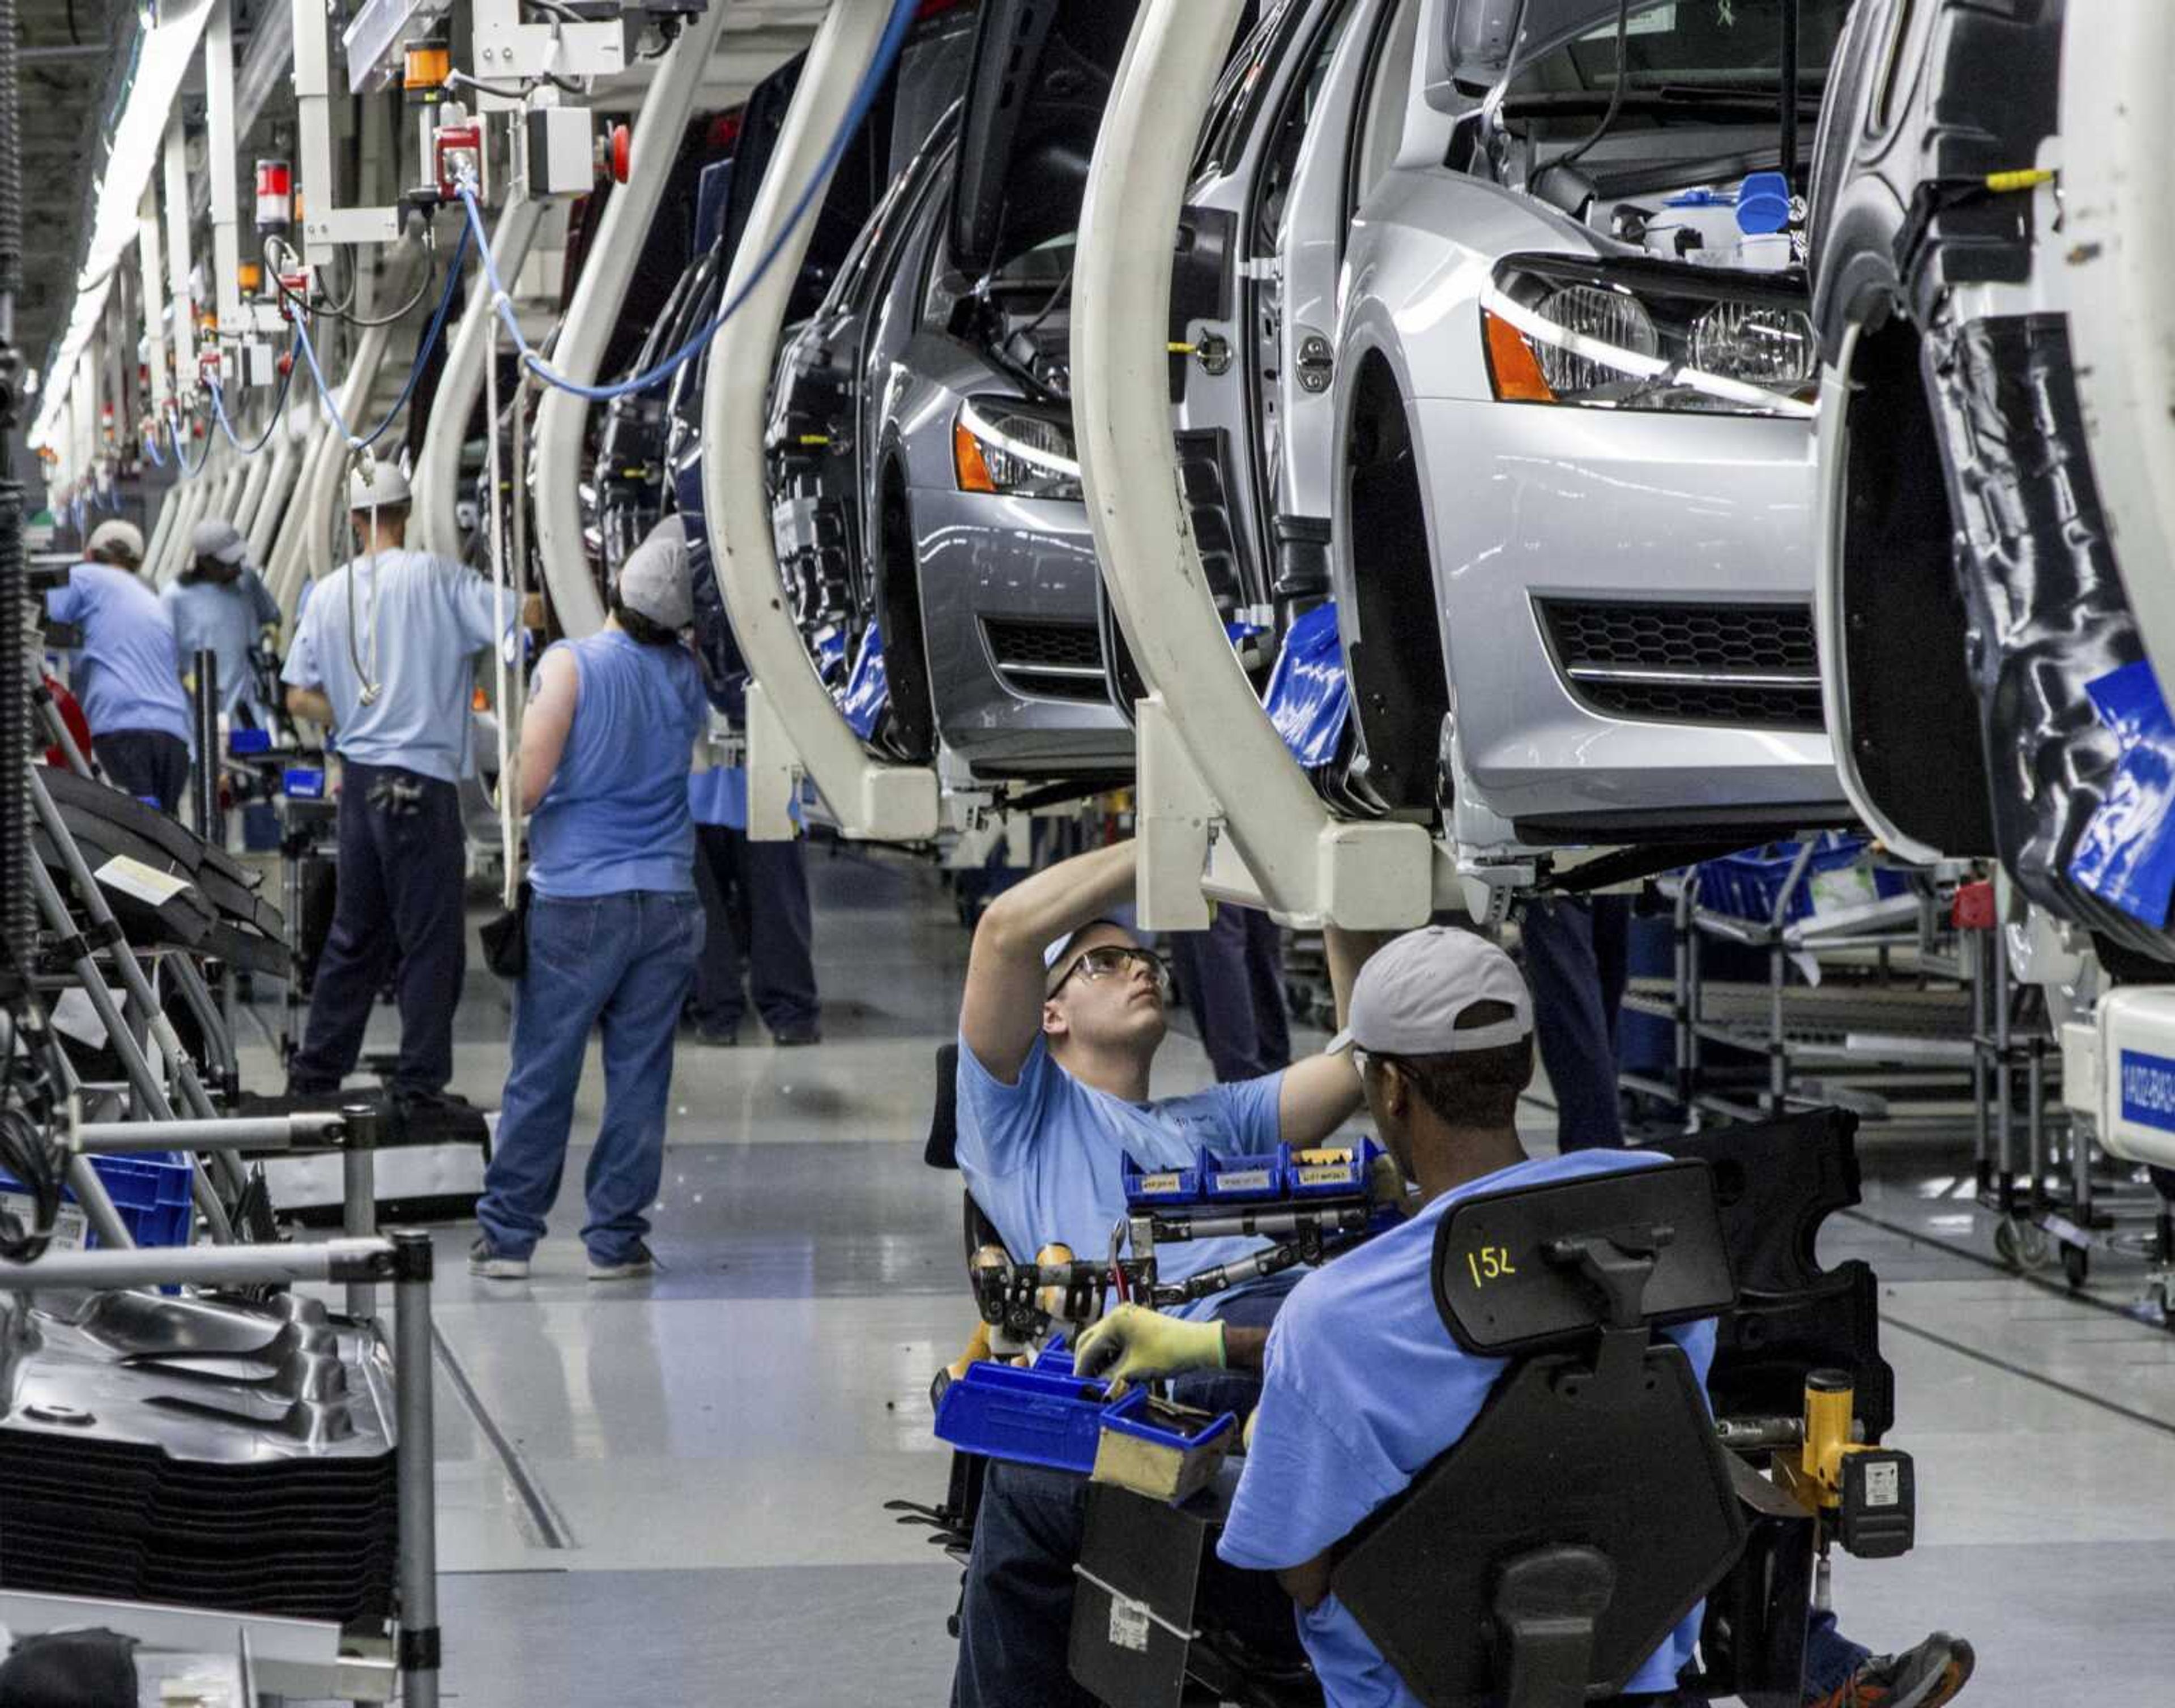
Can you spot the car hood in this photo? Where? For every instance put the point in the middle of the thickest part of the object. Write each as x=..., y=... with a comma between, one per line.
x=1477, y=39
x=1042, y=75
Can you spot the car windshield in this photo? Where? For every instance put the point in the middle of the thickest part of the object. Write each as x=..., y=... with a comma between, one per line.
x=1691, y=46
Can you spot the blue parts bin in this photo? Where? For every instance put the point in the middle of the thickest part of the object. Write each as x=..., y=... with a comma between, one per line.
x=245, y=744
x=1049, y=1416
x=1316, y=1171
x=304, y=781
x=151, y=1192
x=1746, y=886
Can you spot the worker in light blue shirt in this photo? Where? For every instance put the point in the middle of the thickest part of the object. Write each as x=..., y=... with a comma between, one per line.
x=127, y=674
x=613, y=925
x=1063, y=1016
x=1363, y=1387
x=383, y=656
x=221, y=605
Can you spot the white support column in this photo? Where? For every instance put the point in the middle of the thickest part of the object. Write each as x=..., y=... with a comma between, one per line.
x=177, y=257
x=325, y=223
x=460, y=382
x=872, y=799
x=220, y=164
x=1306, y=864
x=154, y=301
x=594, y=313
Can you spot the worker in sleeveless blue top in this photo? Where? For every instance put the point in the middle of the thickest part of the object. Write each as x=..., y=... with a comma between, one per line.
x=127, y=673
x=1063, y=1014
x=614, y=925
x=1363, y=1387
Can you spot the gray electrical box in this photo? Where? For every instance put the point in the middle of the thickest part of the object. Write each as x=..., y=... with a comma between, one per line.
x=562, y=155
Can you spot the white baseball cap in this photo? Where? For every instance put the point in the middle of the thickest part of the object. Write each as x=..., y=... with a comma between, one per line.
x=215, y=537
x=116, y=534
x=1409, y=996
x=654, y=582
x=377, y=485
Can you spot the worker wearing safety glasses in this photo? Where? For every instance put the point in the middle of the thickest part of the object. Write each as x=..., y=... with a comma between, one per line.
x=381, y=656
x=1063, y=1015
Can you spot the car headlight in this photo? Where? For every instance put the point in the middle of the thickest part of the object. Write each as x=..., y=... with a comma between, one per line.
x=1637, y=334
x=1014, y=452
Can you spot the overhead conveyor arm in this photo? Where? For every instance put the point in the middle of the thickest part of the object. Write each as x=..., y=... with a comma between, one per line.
x=791, y=722
x=436, y=485
x=1207, y=753
x=594, y=313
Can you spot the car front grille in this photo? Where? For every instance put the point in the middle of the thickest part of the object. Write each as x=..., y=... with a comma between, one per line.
x=1055, y=661
x=1682, y=663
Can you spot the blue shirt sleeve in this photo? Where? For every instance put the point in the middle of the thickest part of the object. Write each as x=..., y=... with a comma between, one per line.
x=1308, y=1480
x=261, y=604
x=474, y=602
x=65, y=602
x=301, y=670
x=1250, y=1106
x=998, y=1122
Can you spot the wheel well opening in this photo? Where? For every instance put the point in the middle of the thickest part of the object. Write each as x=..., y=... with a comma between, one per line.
x=909, y=724
x=1400, y=690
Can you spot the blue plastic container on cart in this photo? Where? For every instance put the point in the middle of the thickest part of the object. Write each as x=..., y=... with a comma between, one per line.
x=304, y=781
x=152, y=1192
x=245, y=743
x=1745, y=885
x=1242, y=1180
x=1044, y=1416
x=1153, y=1187
x=1328, y=1171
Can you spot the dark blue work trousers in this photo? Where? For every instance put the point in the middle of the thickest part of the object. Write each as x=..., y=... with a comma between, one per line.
x=1575, y=953
x=401, y=866
x=1232, y=974
x=149, y=764
x=759, y=940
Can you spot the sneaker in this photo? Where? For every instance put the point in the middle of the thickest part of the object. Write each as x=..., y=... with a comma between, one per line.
x=796, y=1037
x=637, y=1266
x=717, y=1037
x=495, y=1266
x=1928, y=1676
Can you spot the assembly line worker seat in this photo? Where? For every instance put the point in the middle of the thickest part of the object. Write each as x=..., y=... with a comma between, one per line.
x=1540, y=1560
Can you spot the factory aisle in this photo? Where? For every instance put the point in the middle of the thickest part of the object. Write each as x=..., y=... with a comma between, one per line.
x=672, y=1492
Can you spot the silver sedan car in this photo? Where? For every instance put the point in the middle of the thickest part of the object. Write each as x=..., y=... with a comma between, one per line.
x=1532, y=345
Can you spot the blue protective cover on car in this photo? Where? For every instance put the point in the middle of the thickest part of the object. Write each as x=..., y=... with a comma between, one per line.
x=1310, y=696
x=2127, y=855
x=868, y=689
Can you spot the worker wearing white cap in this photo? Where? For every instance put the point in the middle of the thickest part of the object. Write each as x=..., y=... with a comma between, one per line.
x=127, y=673
x=220, y=604
x=383, y=656
x=613, y=925
x=1361, y=1390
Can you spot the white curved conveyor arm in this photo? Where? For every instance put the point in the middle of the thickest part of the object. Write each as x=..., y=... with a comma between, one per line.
x=437, y=482
x=278, y=486
x=2115, y=252
x=594, y=313
x=791, y=716
x=257, y=474
x=1202, y=716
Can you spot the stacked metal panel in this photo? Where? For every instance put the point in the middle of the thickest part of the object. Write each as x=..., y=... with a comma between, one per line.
x=194, y=1452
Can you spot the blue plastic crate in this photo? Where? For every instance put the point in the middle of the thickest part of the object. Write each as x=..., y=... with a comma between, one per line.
x=1045, y=1415
x=1745, y=885
x=152, y=1192
x=1179, y=1185
x=1328, y=1171
x=1241, y=1179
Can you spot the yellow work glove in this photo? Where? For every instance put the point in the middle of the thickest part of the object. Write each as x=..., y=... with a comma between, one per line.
x=1133, y=1343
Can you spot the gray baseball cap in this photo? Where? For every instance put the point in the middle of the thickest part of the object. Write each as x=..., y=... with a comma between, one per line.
x=1408, y=996
x=214, y=536
x=654, y=582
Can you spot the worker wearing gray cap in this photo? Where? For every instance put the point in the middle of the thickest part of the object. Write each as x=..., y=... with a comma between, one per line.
x=383, y=656
x=614, y=925
x=127, y=673
x=1361, y=1390
x=220, y=604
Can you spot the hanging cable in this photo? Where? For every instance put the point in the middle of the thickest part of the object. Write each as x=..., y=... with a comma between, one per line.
x=181, y=451
x=340, y=311
x=864, y=99
x=151, y=446
x=271, y=425
x=364, y=442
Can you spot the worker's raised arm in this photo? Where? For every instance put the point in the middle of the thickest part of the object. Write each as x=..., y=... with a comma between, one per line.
x=546, y=722
x=1320, y=1094
x=1001, y=1012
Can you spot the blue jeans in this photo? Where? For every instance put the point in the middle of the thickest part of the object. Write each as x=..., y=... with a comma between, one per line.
x=623, y=962
x=1575, y=953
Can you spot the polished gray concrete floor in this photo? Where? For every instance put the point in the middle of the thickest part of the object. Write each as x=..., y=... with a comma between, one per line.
x=672, y=1492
